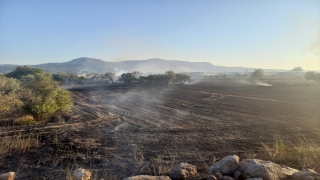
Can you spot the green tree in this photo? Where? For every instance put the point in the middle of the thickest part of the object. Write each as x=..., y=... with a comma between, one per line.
x=43, y=97
x=151, y=78
x=127, y=77
x=258, y=73
x=111, y=76
x=182, y=78
x=161, y=78
x=136, y=75
x=170, y=76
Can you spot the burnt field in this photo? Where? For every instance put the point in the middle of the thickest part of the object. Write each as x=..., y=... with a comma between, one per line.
x=124, y=130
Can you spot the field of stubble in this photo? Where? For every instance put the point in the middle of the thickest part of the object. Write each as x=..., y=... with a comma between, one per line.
x=124, y=130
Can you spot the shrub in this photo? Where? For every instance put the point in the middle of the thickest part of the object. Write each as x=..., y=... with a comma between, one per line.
x=21, y=71
x=9, y=95
x=43, y=97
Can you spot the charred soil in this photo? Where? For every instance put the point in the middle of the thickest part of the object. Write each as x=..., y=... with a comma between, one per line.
x=124, y=130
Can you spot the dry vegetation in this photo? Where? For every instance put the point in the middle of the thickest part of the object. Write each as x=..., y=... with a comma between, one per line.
x=119, y=131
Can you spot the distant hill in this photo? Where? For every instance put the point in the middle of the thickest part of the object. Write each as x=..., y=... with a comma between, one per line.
x=5, y=68
x=84, y=64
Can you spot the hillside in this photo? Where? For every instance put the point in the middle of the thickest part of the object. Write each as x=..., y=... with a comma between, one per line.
x=82, y=64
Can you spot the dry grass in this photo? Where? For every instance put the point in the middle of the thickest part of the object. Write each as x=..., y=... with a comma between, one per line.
x=26, y=120
x=138, y=153
x=18, y=143
x=303, y=153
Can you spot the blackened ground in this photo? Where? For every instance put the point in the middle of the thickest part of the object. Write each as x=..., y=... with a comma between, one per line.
x=125, y=130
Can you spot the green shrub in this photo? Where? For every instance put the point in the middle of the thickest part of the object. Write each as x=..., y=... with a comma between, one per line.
x=43, y=97
x=9, y=95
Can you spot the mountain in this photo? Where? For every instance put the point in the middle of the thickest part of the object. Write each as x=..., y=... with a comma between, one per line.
x=154, y=65
x=5, y=68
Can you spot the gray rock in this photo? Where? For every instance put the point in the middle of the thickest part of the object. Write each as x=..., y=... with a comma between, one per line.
x=247, y=162
x=146, y=177
x=211, y=177
x=218, y=176
x=236, y=174
x=7, y=176
x=306, y=174
x=198, y=178
x=226, y=166
x=228, y=178
x=262, y=169
x=289, y=171
x=183, y=171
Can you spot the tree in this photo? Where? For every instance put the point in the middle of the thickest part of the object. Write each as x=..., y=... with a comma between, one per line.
x=170, y=76
x=9, y=95
x=297, y=69
x=161, y=78
x=127, y=77
x=43, y=97
x=136, y=75
x=311, y=75
x=151, y=78
x=258, y=73
x=111, y=76
x=182, y=78
x=143, y=79
x=23, y=71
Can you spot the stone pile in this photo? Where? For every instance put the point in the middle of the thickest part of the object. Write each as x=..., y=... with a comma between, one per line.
x=231, y=168
x=228, y=168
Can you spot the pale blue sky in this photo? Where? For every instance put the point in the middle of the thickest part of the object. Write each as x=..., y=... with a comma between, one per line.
x=253, y=33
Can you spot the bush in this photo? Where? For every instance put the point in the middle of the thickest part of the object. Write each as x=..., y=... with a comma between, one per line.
x=9, y=95
x=42, y=96
x=21, y=71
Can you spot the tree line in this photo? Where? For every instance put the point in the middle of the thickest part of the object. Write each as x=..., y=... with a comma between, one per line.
x=168, y=78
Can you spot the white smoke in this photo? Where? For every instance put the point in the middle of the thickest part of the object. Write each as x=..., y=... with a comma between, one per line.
x=118, y=71
x=255, y=82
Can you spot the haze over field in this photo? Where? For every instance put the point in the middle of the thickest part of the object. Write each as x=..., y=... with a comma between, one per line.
x=258, y=34
x=91, y=65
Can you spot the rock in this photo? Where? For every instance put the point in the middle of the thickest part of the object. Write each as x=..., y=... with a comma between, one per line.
x=218, y=176
x=254, y=179
x=288, y=171
x=197, y=178
x=146, y=177
x=306, y=174
x=183, y=171
x=236, y=174
x=308, y=170
x=266, y=170
x=81, y=174
x=211, y=177
x=226, y=166
x=247, y=162
x=228, y=178
x=7, y=176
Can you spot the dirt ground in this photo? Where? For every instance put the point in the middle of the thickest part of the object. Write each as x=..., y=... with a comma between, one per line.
x=124, y=130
